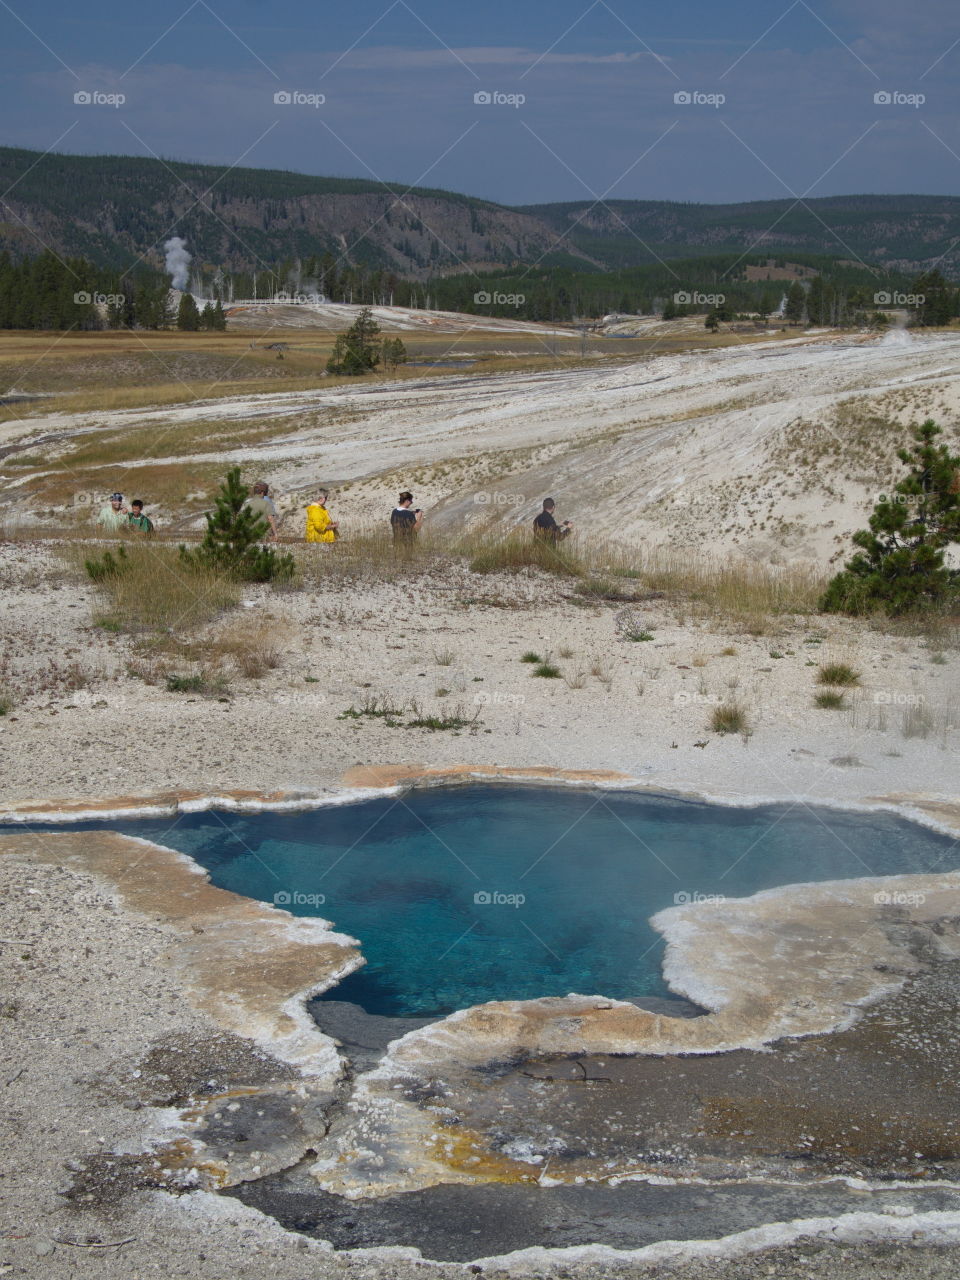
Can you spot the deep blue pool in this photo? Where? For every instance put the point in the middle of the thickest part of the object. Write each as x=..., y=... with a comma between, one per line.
x=465, y=894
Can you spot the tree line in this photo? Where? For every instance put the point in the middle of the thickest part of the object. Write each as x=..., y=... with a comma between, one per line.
x=50, y=292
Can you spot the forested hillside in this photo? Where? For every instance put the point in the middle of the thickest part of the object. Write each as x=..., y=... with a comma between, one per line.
x=112, y=210
x=903, y=233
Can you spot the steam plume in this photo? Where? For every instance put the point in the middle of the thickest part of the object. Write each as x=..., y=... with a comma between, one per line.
x=177, y=261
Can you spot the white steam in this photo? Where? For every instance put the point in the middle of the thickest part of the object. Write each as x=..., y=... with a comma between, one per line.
x=177, y=261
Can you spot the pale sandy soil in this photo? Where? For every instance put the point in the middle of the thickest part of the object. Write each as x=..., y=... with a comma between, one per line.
x=642, y=710
x=337, y=316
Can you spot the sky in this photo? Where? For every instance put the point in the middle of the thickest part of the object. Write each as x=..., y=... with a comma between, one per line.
x=518, y=101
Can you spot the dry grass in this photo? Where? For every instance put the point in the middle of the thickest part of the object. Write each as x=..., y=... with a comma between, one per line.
x=254, y=645
x=368, y=555
x=738, y=589
x=940, y=628
x=747, y=593
x=93, y=372
x=155, y=593
x=730, y=717
x=917, y=721
x=181, y=486
x=108, y=447
x=514, y=551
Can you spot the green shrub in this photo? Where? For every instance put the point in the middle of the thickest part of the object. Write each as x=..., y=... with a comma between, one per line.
x=829, y=700
x=108, y=566
x=185, y=684
x=900, y=565
x=437, y=724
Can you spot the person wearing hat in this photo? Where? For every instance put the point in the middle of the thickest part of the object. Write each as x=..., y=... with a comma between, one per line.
x=113, y=515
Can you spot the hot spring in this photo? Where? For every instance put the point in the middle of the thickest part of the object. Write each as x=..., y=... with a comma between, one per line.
x=459, y=895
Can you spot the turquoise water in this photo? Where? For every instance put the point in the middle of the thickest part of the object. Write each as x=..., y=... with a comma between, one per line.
x=465, y=894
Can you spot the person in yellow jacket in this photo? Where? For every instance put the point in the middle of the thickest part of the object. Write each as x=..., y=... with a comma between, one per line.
x=320, y=528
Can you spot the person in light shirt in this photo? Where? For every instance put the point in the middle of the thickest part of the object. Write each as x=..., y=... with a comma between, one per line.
x=113, y=515
x=262, y=505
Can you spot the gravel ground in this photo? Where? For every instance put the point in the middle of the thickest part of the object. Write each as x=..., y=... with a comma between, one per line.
x=81, y=727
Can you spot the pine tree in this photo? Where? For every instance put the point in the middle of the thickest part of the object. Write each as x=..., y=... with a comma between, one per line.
x=358, y=350
x=818, y=301
x=233, y=537
x=939, y=299
x=188, y=314
x=900, y=566
x=394, y=353
x=796, y=302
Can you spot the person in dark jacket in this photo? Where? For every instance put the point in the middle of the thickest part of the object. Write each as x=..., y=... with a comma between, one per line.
x=545, y=524
x=404, y=521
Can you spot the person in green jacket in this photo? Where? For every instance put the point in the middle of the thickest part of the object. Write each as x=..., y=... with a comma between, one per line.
x=137, y=520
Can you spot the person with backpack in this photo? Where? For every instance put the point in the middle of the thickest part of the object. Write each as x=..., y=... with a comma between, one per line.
x=137, y=520
x=261, y=504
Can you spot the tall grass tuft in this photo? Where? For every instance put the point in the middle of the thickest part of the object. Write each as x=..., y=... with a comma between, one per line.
x=840, y=674
x=829, y=700
x=511, y=552
x=729, y=717
x=369, y=555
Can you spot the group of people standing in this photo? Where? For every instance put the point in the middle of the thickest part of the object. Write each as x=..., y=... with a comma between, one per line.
x=116, y=515
x=321, y=527
x=406, y=520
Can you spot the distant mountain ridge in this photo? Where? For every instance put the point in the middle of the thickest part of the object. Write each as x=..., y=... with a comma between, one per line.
x=116, y=209
x=899, y=233
x=113, y=209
